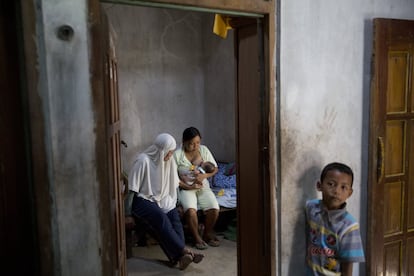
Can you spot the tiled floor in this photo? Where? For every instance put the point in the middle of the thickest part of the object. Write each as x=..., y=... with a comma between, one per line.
x=218, y=261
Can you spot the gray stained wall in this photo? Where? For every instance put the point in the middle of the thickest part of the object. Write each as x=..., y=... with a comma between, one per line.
x=174, y=72
x=325, y=58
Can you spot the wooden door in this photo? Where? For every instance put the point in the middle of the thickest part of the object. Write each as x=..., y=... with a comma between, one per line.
x=252, y=155
x=17, y=230
x=391, y=182
x=114, y=149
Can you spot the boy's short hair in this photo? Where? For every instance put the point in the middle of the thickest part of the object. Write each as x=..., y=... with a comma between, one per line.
x=338, y=167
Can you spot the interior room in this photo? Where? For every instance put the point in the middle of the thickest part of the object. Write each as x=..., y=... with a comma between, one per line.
x=174, y=72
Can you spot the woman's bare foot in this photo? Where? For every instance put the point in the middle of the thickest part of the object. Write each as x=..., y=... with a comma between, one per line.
x=212, y=240
x=197, y=257
x=184, y=261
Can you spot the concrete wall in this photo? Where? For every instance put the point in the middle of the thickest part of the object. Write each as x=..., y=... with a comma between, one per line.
x=168, y=81
x=64, y=93
x=325, y=61
x=173, y=73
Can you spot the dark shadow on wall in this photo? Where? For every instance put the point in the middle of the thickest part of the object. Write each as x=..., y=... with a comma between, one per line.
x=306, y=187
x=367, y=57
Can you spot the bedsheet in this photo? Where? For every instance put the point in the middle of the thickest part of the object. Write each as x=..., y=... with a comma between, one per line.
x=221, y=179
x=226, y=197
x=224, y=186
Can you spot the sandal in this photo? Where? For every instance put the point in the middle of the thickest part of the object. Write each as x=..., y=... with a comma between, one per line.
x=197, y=257
x=214, y=242
x=184, y=261
x=201, y=246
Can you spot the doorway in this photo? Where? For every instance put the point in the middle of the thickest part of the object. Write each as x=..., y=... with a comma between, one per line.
x=248, y=131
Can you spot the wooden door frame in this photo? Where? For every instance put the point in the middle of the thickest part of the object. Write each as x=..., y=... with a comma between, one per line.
x=112, y=115
x=375, y=237
x=37, y=155
x=49, y=262
x=17, y=201
x=268, y=153
x=383, y=33
x=253, y=211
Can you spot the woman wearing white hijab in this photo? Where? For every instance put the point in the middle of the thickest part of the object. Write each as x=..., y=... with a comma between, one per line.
x=153, y=183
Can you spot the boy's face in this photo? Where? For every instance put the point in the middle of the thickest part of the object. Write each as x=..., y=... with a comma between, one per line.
x=336, y=189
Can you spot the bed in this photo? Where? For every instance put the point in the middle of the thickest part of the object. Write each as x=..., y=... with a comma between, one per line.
x=223, y=185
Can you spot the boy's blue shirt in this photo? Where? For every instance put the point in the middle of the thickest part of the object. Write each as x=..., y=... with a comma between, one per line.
x=333, y=237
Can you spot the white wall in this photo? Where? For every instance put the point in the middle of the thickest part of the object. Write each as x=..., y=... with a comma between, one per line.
x=219, y=99
x=173, y=73
x=325, y=61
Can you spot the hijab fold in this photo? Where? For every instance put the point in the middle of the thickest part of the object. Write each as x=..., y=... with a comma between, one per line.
x=153, y=178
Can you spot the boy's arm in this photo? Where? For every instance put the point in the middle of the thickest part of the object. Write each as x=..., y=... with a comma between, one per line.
x=346, y=268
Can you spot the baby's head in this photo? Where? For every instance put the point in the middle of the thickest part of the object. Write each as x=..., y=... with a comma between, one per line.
x=208, y=167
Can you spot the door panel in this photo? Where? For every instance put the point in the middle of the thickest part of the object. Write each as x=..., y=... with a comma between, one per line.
x=253, y=203
x=391, y=182
x=392, y=257
x=397, y=81
x=394, y=148
x=393, y=198
x=115, y=161
x=114, y=150
x=410, y=256
x=410, y=201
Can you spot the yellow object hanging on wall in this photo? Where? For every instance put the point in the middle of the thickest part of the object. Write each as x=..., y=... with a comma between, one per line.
x=221, y=25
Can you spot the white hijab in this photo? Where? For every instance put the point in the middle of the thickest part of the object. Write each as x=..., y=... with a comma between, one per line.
x=153, y=178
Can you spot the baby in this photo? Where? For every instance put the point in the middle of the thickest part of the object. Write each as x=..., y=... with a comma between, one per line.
x=189, y=175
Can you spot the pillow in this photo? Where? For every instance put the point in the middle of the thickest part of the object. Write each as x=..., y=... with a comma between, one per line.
x=230, y=169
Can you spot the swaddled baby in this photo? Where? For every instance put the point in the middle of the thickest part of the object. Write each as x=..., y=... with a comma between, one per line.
x=189, y=175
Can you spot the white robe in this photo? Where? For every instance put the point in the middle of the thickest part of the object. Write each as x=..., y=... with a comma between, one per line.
x=154, y=179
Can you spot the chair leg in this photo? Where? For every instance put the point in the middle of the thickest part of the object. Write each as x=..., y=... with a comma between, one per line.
x=129, y=243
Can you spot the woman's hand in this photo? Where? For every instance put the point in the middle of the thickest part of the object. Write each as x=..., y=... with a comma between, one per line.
x=195, y=186
x=201, y=176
